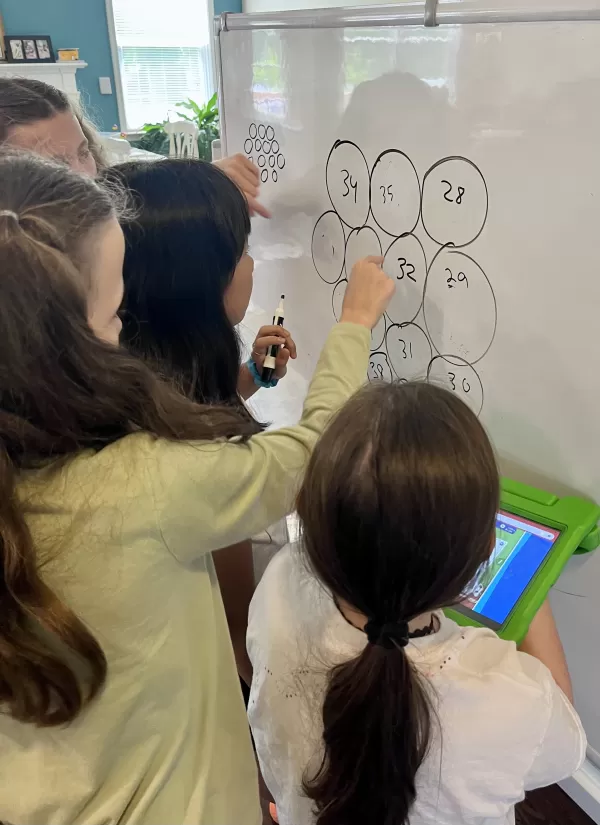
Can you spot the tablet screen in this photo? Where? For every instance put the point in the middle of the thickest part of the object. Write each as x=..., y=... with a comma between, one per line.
x=521, y=548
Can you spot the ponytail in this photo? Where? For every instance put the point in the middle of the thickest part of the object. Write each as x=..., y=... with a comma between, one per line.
x=376, y=732
x=398, y=507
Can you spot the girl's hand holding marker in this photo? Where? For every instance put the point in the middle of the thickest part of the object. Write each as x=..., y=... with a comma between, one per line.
x=273, y=336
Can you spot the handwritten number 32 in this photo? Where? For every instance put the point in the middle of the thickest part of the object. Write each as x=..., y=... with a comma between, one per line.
x=349, y=183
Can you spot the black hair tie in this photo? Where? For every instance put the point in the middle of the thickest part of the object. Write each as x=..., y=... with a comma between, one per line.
x=388, y=635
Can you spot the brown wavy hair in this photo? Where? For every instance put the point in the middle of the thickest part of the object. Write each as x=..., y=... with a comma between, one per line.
x=62, y=390
x=398, y=509
x=24, y=100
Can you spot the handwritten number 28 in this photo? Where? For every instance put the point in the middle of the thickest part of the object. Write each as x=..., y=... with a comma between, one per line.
x=349, y=183
x=460, y=192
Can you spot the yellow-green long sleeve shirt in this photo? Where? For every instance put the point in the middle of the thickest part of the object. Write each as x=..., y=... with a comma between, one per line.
x=125, y=537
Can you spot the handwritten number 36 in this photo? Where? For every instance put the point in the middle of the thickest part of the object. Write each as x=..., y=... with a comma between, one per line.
x=466, y=387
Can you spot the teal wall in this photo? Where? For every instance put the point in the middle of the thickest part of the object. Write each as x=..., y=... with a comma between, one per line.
x=79, y=24
x=226, y=5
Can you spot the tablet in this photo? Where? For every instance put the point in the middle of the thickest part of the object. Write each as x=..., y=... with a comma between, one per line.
x=536, y=534
x=522, y=547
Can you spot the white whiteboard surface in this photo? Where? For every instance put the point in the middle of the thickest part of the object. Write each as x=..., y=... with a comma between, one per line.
x=520, y=103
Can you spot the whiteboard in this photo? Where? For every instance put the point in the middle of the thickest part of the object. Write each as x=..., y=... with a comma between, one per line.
x=469, y=154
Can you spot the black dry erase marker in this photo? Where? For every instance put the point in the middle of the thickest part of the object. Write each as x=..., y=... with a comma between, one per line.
x=270, y=363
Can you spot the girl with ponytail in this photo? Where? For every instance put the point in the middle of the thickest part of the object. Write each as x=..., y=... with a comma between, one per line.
x=369, y=706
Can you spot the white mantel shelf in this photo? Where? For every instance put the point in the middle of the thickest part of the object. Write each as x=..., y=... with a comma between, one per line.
x=22, y=69
x=61, y=75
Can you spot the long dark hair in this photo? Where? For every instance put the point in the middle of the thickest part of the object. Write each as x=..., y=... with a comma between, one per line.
x=25, y=100
x=62, y=390
x=191, y=230
x=398, y=509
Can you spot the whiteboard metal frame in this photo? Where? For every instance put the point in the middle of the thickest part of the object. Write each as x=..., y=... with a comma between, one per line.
x=429, y=13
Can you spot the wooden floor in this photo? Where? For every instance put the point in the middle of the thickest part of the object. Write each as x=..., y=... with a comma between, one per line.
x=550, y=806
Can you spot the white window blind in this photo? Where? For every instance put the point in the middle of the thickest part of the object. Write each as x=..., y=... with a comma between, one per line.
x=164, y=56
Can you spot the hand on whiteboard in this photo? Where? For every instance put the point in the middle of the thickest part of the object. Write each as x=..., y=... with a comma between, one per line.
x=368, y=293
x=245, y=174
x=274, y=336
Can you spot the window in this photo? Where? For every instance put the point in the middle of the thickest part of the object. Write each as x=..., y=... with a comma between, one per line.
x=163, y=54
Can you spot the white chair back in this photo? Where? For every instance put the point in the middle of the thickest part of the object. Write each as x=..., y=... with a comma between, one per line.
x=116, y=149
x=183, y=139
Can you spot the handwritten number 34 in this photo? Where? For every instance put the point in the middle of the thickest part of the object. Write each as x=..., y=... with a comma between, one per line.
x=349, y=183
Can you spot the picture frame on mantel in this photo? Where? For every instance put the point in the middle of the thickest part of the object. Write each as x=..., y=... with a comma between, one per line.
x=28, y=48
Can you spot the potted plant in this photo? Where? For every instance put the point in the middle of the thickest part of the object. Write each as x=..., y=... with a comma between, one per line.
x=206, y=118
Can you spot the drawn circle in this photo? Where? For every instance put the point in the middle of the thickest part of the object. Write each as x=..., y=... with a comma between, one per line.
x=266, y=147
x=459, y=306
x=274, y=175
x=360, y=244
x=271, y=161
x=328, y=247
x=280, y=161
x=252, y=130
x=395, y=193
x=275, y=147
x=455, y=202
x=337, y=299
x=270, y=133
x=258, y=145
x=261, y=131
x=405, y=262
x=409, y=351
x=347, y=178
x=261, y=161
x=248, y=146
x=379, y=368
x=456, y=374
x=250, y=158
x=264, y=175
x=378, y=334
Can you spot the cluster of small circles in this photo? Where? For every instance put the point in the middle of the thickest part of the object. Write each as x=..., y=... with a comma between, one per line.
x=262, y=144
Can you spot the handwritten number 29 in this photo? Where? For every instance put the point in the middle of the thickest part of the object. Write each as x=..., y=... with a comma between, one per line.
x=459, y=196
x=349, y=183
